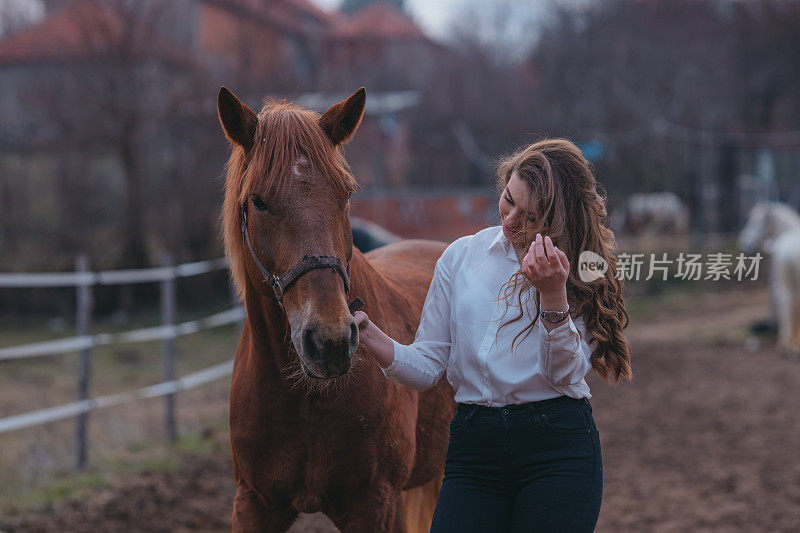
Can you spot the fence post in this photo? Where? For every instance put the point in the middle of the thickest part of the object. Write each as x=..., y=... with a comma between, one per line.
x=168, y=310
x=83, y=317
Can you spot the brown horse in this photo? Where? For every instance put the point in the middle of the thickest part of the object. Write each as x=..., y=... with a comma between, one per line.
x=315, y=425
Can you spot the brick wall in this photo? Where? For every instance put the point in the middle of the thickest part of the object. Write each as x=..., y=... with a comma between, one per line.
x=442, y=216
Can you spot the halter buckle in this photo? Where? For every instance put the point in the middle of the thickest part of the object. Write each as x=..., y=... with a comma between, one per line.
x=275, y=283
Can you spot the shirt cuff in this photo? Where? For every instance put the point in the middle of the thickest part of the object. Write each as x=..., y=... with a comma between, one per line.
x=561, y=332
x=392, y=370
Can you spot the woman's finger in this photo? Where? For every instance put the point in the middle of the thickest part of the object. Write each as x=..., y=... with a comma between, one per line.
x=549, y=248
x=531, y=272
x=562, y=257
x=538, y=251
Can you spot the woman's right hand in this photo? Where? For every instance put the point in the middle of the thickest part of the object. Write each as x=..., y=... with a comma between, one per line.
x=362, y=320
x=379, y=344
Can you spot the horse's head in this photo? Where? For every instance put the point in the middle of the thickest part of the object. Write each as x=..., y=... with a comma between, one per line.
x=288, y=188
x=761, y=228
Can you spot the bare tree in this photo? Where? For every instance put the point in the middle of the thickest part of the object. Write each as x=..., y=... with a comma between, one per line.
x=112, y=97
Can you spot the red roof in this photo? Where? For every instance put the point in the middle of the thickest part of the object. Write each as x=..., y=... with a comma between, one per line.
x=310, y=8
x=79, y=30
x=377, y=21
x=91, y=27
x=62, y=34
x=300, y=16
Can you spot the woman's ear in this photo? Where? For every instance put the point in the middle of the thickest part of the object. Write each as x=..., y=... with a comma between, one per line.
x=340, y=121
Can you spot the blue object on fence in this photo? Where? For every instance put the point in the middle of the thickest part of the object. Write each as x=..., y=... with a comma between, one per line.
x=592, y=150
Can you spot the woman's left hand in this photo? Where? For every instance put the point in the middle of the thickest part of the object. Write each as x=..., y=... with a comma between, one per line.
x=548, y=271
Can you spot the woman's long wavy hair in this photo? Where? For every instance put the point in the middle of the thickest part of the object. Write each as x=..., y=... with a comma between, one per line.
x=565, y=202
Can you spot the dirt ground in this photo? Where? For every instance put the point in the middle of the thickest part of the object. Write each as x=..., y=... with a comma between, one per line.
x=705, y=438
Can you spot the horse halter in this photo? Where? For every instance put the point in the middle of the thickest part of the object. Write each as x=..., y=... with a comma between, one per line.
x=309, y=262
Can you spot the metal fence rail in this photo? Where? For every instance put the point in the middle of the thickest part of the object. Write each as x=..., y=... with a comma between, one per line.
x=70, y=410
x=82, y=279
x=110, y=277
x=155, y=333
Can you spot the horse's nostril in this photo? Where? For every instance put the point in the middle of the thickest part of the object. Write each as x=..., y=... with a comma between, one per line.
x=309, y=345
x=353, y=334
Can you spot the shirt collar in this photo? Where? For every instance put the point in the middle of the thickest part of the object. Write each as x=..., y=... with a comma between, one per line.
x=500, y=240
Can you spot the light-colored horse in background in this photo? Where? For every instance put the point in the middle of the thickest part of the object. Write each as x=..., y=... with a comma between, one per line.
x=659, y=213
x=775, y=228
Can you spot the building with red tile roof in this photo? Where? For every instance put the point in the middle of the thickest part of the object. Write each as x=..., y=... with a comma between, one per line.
x=254, y=46
x=294, y=35
x=380, y=45
x=81, y=30
x=376, y=22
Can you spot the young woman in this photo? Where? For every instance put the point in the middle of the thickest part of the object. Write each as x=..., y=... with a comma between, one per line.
x=524, y=452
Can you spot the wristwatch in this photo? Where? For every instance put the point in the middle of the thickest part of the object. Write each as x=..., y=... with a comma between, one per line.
x=554, y=316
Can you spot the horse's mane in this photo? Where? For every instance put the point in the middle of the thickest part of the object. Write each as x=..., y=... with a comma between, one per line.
x=285, y=133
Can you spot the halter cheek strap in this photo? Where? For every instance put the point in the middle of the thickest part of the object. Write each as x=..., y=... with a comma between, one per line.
x=280, y=284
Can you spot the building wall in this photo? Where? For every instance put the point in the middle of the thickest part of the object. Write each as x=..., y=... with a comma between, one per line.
x=428, y=215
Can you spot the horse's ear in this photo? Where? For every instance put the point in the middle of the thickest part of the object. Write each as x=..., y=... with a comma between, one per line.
x=340, y=121
x=238, y=121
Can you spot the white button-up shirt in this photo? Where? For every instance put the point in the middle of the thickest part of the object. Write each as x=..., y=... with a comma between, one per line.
x=457, y=332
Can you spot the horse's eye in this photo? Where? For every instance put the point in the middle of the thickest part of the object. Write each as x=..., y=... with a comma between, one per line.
x=258, y=202
x=349, y=194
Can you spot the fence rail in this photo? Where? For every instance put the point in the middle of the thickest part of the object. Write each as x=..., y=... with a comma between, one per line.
x=110, y=277
x=70, y=410
x=155, y=333
x=82, y=279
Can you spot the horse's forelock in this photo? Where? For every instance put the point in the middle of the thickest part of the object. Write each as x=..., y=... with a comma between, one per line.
x=286, y=134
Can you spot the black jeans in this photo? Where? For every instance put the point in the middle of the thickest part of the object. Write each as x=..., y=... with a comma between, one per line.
x=526, y=467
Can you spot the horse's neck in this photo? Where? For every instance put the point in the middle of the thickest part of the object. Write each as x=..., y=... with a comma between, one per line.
x=269, y=335
x=785, y=220
x=371, y=286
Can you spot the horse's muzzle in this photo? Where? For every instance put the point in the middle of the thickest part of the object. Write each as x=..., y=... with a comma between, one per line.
x=329, y=355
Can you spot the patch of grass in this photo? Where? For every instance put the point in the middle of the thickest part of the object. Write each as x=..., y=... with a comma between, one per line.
x=154, y=463
x=199, y=443
x=138, y=458
x=642, y=305
x=78, y=487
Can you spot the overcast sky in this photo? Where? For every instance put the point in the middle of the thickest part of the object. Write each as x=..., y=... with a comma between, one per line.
x=517, y=21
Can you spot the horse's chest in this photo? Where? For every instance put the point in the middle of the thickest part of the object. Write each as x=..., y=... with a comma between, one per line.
x=327, y=467
x=318, y=462
x=324, y=482
x=317, y=456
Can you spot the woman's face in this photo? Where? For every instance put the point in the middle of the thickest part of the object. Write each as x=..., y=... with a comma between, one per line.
x=513, y=207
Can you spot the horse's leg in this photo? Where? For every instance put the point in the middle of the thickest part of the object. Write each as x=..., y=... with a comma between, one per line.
x=400, y=518
x=784, y=321
x=794, y=295
x=783, y=304
x=251, y=513
x=794, y=345
x=373, y=511
x=774, y=293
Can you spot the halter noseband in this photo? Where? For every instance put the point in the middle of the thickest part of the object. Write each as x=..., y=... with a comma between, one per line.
x=309, y=262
